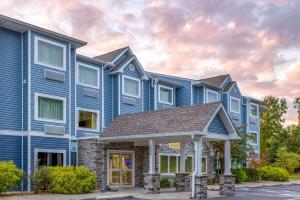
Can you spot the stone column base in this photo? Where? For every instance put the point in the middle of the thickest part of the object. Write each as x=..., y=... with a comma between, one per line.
x=227, y=185
x=201, y=187
x=151, y=183
x=182, y=182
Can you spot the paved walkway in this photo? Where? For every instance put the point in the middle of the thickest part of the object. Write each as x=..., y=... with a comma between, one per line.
x=138, y=193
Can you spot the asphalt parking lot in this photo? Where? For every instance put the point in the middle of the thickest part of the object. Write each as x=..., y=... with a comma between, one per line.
x=288, y=192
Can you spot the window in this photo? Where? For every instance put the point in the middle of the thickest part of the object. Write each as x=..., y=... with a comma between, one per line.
x=88, y=119
x=49, y=53
x=50, y=108
x=131, y=86
x=253, y=110
x=88, y=75
x=165, y=95
x=234, y=105
x=211, y=96
x=253, y=137
x=50, y=157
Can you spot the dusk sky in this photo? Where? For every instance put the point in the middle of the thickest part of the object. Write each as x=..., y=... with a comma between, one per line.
x=257, y=42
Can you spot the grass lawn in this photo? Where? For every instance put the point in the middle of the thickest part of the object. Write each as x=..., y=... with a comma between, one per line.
x=295, y=176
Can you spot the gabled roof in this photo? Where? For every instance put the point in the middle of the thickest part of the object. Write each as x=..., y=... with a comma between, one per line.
x=174, y=121
x=123, y=62
x=229, y=86
x=112, y=55
x=92, y=60
x=20, y=26
x=216, y=81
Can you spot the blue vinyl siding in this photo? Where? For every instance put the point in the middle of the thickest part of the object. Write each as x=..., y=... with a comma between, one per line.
x=108, y=97
x=115, y=94
x=41, y=85
x=12, y=146
x=183, y=94
x=25, y=78
x=225, y=101
x=87, y=102
x=73, y=93
x=198, y=95
x=10, y=80
x=217, y=126
x=236, y=118
x=146, y=96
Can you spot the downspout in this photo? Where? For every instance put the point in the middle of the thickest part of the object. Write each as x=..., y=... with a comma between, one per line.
x=22, y=106
x=195, y=172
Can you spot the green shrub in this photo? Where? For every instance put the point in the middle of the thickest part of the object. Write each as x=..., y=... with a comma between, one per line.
x=240, y=175
x=64, y=180
x=10, y=176
x=165, y=182
x=41, y=179
x=274, y=173
x=252, y=174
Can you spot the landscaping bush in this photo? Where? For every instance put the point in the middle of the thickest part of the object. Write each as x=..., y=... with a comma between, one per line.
x=274, y=173
x=165, y=182
x=64, y=180
x=252, y=174
x=240, y=175
x=10, y=176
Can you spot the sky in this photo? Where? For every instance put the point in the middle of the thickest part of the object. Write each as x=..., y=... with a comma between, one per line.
x=257, y=42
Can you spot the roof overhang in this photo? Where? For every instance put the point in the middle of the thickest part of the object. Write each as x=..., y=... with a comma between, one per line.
x=92, y=60
x=20, y=26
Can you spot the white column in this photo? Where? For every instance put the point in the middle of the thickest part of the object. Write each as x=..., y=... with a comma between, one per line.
x=151, y=156
x=182, y=156
x=198, y=156
x=227, y=157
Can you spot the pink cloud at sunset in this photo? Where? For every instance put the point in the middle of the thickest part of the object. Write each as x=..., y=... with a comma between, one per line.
x=257, y=42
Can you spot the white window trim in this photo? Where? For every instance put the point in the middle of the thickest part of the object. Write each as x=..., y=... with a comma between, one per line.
x=36, y=116
x=239, y=107
x=36, y=61
x=78, y=64
x=212, y=91
x=88, y=110
x=250, y=142
x=123, y=88
x=172, y=92
x=253, y=104
x=36, y=151
x=177, y=166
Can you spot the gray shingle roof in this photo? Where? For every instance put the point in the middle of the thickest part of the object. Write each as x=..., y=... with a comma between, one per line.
x=215, y=81
x=110, y=56
x=174, y=120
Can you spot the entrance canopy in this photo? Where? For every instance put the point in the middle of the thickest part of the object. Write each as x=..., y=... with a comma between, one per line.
x=175, y=124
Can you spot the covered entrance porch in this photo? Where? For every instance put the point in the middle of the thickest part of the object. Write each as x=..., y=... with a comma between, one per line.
x=126, y=155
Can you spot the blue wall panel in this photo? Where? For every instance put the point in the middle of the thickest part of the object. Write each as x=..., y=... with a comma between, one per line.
x=217, y=126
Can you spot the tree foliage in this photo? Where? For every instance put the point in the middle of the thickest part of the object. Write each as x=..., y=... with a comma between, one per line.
x=287, y=160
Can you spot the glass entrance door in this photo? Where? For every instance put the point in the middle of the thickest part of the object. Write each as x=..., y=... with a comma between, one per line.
x=120, y=169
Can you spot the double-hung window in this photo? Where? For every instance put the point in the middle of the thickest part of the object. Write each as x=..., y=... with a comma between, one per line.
x=50, y=108
x=212, y=96
x=44, y=157
x=50, y=54
x=131, y=87
x=254, y=137
x=235, y=105
x=88, y=119
x=253, y=110
x=165, y=94
x=87, y=75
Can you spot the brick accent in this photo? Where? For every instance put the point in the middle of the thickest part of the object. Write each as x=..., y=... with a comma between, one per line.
x=182, y=182
x=201, y=187
x=227, y=185
x=151, y=183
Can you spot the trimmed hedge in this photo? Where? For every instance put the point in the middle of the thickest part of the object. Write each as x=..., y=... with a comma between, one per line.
x=65, y=180
x=252, y=174
x=274, y=173
x=240, y=175
x=10, y=176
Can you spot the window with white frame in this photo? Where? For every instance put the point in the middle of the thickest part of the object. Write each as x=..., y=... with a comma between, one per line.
x=211, y=96
x=170, y=164
x=88, y=119
x=50, y=108
x=253, y=110
x=165, y=94
x=45, y=157
x=253, y=137
x=87, y=75
x=131, y=86
x=49, y=53
x=235, y=105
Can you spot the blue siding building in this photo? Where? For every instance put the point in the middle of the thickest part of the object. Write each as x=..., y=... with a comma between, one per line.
x=51, y=97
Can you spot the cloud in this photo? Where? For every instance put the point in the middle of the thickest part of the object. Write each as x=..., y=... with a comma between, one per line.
x=191, y=38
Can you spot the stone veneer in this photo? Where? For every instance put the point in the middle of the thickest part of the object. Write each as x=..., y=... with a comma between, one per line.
x=92, y=153
x=151, y=183
x=227, y=185
x=182, y=182
x=201, y=187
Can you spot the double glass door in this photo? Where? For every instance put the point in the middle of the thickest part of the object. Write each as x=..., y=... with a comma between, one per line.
x=120, y=169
